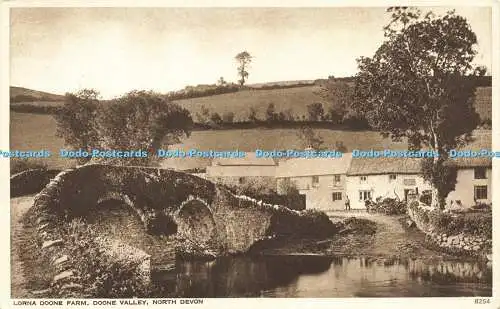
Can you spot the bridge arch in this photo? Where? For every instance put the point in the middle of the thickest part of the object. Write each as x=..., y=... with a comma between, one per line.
x=196, y=222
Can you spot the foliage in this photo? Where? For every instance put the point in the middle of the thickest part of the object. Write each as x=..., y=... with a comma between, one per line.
x=443, y=176
x=228, y=117
x=426, y=198
x=244, y=59
x=414, y=85
x=138, y=120
x=77, y=120
x=340, y=95
x=31, y=181
x=216, y=119
x=191, y=92
x=18, y=165
x=102, y=275
x=478, y=223
x=34, y=109
x=387, y=206
x=252, y=116
x=310, y=223
x=271, y=115
x=203, y=117
x=473, y=223
x=288, y=187
x=363, y=226
x=315, y=111
x=309, y=138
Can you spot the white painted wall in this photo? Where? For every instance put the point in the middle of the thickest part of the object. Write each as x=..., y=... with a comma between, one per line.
x=464, y=188
x=319, y=196
x=381, y=185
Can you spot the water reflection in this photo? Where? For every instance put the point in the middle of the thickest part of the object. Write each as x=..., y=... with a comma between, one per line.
x=318, y=276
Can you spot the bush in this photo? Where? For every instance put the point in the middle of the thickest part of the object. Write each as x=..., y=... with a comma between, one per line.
x=101, y=275
x=18, y=165
x=426, y=197
x=30, y=181
x=388, y=206
x=473, y=223
x=310, y=223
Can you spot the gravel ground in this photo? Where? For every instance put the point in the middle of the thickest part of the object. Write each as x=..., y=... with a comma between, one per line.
x=18, y=207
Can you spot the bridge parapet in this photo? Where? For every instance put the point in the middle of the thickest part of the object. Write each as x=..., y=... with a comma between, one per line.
x=170, y=202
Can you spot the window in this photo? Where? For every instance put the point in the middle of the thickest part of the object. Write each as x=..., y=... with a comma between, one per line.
x=392, y=177
x=336, y=196
x=362, y=179
x=315, y=181
x=480, y=192
x=409, y=182
x=336, y=180
x=480, y=173
x=365, y=195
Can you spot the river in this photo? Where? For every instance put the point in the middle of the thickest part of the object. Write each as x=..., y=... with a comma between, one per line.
x=320, y=276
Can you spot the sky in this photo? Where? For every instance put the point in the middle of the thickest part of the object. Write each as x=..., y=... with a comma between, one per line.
x=116, y=50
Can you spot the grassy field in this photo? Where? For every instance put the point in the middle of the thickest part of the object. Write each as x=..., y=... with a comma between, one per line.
x=293, y=99
x=35, y=132
x=239, y=103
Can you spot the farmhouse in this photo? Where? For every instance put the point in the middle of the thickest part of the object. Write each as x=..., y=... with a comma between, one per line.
x=322, y=180
x=249, y=170
x=370, y=178
x=473, y=181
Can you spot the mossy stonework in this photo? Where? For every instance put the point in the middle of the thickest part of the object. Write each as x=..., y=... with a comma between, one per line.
x=209, y=219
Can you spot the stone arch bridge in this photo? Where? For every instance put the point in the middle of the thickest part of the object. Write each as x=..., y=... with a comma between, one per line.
x=174, y=203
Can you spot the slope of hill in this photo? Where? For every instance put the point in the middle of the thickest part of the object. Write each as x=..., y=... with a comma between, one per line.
x=20, y=94
x=294, y=99
x=290, y=100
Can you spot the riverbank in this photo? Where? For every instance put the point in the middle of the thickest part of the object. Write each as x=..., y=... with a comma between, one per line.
x=371, y=235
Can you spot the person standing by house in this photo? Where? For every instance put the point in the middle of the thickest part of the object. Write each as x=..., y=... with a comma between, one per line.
x=347, y=203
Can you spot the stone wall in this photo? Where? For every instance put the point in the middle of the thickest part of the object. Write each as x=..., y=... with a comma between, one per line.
x=157, y=196
x=459, y=243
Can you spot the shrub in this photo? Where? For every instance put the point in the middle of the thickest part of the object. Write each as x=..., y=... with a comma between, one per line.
x=310, y=223
x=426, y=197
x=18, y=165
x=387, y=206
x=101, y=275
x=474, y=223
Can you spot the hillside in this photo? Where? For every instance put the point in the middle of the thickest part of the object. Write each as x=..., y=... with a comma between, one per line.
x=294, y=99
x=20, y=94
x=290, y=100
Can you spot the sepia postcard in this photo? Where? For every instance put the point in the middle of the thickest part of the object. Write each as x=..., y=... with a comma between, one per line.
x=250, y=154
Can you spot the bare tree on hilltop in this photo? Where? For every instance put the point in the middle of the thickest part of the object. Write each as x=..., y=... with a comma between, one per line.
x=244, y=59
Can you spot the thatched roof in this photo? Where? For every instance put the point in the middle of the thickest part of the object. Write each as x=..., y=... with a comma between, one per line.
x=298, y=167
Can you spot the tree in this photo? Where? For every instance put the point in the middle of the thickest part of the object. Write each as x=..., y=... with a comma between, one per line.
x=138, y=120
x=228, y=117
x=315, y=111
x=310, y=139
x=415, y=86
x=339, y=94
x=221, y=82
x=76, y=120
x=244, y=59
x=252, y=115
x=288, y=187
x=216, y=118
x=204, y=116
x=271, y=114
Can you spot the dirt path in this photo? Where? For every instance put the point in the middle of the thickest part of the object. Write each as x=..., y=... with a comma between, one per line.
x=18, y=207
x=391, y=239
